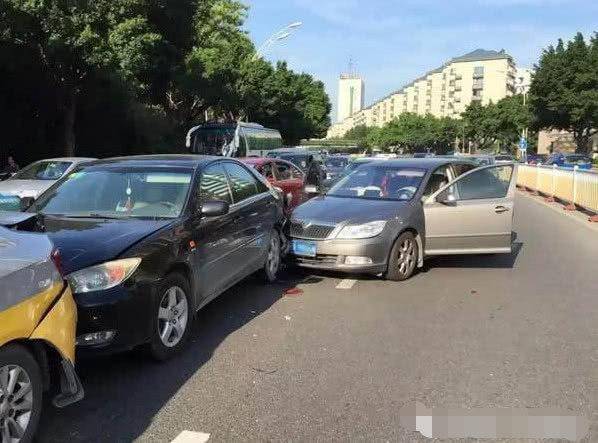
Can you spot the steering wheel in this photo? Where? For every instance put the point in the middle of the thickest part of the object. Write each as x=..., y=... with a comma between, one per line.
x=406, y=192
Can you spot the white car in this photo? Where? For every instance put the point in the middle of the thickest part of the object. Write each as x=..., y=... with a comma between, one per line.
x=35, y=178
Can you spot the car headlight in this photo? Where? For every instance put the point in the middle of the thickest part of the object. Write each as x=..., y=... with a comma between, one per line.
x=104, y=276
x=366, y=230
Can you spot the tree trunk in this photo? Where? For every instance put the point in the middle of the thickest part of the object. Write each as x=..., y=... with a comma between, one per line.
x=70, y=113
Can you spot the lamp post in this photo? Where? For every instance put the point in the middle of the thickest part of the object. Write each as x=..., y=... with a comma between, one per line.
x=282, y=34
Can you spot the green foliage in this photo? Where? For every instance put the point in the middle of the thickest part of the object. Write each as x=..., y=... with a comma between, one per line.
x=160, y=66
x=564, y=90
x=411, y=132
x=496, y=125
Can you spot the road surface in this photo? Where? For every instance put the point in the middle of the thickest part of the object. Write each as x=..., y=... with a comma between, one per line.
x=338, y=364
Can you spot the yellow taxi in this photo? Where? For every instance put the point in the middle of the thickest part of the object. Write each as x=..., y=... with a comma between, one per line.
x=37, y=334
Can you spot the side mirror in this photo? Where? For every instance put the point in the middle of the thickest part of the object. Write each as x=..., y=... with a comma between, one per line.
x=447, y=198
x=214, y=208
x=26, y=203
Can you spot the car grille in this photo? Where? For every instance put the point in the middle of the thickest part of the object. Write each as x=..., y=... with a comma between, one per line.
x=320, y=259
x=300, y=230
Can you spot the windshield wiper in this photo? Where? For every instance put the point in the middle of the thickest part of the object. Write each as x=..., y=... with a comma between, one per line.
x=94, y=215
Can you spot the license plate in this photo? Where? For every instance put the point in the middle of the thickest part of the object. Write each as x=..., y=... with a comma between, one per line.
x=304, y=248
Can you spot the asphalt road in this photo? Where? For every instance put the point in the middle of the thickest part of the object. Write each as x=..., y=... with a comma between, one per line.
x=332, y=364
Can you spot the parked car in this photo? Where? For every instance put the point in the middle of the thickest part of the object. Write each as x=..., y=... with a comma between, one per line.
x=282, y=175
x=35, y=178
x=147, y=241
x=37, y=334
x=569, y=160
x=386, y=217
x=354, y=164
x=504, y=158
x=536, y=159
x=335, y=166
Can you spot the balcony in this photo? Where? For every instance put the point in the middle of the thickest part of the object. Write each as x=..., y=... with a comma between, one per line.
x=478, y=84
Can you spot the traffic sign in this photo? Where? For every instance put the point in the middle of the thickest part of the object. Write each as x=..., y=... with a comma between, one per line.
x=523, y=144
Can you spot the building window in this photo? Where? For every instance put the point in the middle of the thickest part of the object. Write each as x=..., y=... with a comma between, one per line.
x=478, y=72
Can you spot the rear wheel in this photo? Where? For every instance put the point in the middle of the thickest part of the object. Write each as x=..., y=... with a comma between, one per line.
x=21, y=394
x=272, y=264
x=403, y=258
x=172, y=317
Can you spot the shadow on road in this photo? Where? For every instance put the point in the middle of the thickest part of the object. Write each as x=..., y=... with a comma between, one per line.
x=124, y=392
x=479, y=261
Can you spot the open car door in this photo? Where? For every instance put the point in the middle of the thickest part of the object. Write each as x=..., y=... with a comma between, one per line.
x=473, y=214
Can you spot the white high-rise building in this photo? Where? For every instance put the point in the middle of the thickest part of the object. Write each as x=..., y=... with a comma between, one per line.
x=351, y=95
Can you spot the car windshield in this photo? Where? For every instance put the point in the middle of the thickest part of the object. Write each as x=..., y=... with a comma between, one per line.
x=503, y=158
x=336, y=162
x=380, y=183
x=212, y=141
x=577, y=159
x=119, y=193
x=44, y=170
x=298, y=160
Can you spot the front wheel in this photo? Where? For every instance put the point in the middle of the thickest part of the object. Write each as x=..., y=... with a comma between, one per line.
x=20, y=394
x=173, y=316
x=272, y=264
x=403, y=258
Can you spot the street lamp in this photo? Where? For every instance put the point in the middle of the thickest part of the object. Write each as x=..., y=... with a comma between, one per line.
x=282, y=34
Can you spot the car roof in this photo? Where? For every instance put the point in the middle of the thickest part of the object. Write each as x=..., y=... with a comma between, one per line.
x=166, y=160
x=421, y=163
x=68, y=159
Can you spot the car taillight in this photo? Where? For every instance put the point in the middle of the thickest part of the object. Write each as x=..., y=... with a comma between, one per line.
x=57, y=259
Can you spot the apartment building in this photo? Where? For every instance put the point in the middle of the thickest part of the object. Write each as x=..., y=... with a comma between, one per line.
x=351, y=96
x=481, y=75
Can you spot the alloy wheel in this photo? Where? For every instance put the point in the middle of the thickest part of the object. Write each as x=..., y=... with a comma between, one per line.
x=173, y=316
x=16, y=403
x=273, y=261
x=407, y=258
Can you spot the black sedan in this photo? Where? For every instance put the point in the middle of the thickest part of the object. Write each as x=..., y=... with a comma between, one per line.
x=148, y=241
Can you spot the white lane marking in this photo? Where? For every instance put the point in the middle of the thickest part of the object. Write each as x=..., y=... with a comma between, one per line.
x=191, y=437
x=346, y=284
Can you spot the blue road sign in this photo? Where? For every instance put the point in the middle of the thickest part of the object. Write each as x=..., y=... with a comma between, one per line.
x=523, y=144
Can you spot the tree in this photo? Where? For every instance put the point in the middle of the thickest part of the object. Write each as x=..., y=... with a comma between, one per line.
x=73, y=38
x=564, y=89
x=496, y=123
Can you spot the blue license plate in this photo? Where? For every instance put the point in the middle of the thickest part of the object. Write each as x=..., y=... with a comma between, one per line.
x=305, y=248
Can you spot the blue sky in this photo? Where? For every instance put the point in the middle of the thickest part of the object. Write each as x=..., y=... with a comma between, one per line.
x=391, y=42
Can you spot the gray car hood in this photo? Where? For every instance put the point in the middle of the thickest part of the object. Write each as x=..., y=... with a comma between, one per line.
x=334, y=210
x=25, y=188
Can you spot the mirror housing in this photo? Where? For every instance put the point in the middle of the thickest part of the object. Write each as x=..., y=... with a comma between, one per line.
x=447, y=198
x=214, y=208
x=26, y=203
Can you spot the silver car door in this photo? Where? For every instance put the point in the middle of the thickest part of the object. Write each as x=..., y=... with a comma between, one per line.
x=473, y=214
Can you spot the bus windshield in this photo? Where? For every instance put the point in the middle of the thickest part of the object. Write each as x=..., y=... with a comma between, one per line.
x=212, y=141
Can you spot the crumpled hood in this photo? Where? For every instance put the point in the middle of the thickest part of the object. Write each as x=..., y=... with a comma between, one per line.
x=25, y=188
x=334, y=210
x=86, y=242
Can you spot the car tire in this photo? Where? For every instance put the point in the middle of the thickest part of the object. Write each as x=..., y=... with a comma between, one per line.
x=172, y=317
x=273, y=258
x=28, y=394
x=403, y=258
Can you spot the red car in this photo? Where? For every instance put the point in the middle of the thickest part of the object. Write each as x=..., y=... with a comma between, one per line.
x=283, y=175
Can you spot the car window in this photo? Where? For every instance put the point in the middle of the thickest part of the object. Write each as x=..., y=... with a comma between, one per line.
x=119, y=192
x=243, y=184
x=462, y=168
x=267, y=171
x=214, y=185
x=296, y=173
x=483, y=184
x=45, y=170
x=283, y=171
x=439, y=178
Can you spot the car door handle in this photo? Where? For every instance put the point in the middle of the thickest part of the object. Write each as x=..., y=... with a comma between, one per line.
x=501, y=209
